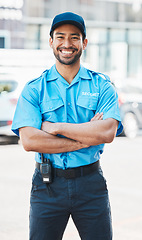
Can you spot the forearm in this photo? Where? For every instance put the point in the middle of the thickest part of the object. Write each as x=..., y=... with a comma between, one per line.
x=39, y=141
x=91, y=133
x=85, y=132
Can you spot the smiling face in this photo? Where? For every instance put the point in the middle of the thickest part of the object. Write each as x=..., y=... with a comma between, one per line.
x=67, y=44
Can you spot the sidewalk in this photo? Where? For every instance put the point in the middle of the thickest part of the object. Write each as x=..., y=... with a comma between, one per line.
x=122, y=166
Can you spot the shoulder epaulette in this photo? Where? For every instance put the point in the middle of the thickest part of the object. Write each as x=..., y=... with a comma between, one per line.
x=37, y=79
x=104, y=76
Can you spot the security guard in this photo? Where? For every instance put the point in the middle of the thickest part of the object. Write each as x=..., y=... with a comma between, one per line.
x=66, y=116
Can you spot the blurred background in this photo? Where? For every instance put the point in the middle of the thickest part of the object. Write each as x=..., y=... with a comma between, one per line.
x=114, y=32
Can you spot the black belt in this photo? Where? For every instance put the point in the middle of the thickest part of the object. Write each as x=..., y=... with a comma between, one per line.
x=74, y=172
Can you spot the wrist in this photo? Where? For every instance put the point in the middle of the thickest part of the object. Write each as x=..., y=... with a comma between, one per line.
x=56, y=128
x=50, y=127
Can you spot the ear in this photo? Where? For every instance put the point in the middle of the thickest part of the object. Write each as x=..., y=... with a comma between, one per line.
x=50, y=42
x=85, y=43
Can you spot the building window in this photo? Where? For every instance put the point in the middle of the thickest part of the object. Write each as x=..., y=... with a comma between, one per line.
x=2, y=42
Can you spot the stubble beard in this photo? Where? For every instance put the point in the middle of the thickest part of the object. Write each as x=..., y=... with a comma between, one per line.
x=68, y=61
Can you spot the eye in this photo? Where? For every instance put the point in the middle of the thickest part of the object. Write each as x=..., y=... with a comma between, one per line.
x=59, y=37
x=75, y=38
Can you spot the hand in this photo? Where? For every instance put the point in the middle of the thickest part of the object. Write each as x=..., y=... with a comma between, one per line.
x=98, y=116
x=52, y=128
x=49, y=127
x=82, y=145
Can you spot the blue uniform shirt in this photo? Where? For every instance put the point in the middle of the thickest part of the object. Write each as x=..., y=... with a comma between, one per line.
x=51, y=98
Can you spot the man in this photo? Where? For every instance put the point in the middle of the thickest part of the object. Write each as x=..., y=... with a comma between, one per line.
x=68, y=113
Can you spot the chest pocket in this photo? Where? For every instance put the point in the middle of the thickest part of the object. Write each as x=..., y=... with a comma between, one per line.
x=87, y=106
x=52, y=110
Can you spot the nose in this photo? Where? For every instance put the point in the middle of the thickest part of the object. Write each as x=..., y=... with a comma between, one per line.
x=67, y=43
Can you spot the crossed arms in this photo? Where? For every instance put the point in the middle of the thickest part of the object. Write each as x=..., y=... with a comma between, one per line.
x=78, y=136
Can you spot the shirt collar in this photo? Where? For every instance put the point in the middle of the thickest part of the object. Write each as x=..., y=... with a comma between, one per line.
x=53, y=73
x=84, y=73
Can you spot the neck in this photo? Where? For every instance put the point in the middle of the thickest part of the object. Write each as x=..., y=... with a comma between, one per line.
x=68, y=72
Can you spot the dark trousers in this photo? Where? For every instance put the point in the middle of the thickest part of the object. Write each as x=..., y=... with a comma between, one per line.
x=85, y=199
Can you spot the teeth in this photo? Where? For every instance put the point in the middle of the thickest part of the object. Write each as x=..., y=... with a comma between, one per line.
x=66, y=52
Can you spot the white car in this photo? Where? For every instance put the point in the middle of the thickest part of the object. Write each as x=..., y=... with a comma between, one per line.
x=9, y=92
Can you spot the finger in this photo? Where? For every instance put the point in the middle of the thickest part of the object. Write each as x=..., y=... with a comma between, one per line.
x=95, y=117
x=98, y=116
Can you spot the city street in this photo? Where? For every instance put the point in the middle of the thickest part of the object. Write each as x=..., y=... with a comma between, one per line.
x=122, y=167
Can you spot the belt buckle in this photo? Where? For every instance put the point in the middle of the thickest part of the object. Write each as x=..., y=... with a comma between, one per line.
x=69, y=173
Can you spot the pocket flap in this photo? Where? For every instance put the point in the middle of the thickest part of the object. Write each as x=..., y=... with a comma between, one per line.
x=49, y=106
x=88, y=102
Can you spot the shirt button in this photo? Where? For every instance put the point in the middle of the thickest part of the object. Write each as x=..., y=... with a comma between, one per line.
x=69, y=103
x=69, y=154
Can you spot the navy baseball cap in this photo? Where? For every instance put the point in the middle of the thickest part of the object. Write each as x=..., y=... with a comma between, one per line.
x=68, y=18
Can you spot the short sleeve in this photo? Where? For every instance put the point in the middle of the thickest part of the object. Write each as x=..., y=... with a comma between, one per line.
x=27, y=112
x=108, y=103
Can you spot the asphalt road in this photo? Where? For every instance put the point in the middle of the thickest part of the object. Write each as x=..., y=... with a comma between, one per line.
x=122, y=166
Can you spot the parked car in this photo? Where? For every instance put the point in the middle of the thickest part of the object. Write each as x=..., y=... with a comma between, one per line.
x=130, y=102
x=9, y=93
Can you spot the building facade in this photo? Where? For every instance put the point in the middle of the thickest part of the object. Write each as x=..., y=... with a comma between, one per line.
x=12, y=32
x=114, y=30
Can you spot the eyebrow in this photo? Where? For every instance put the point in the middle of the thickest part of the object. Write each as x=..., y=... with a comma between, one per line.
x=72, y=34
x=76, y=34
